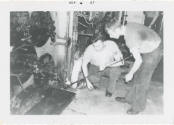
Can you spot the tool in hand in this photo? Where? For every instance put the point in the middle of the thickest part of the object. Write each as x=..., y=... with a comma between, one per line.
x=78, y=81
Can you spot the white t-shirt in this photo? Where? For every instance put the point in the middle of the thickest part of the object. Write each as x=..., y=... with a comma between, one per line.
x=104, y=56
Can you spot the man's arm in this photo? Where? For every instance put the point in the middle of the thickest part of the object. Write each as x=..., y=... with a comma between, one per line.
x=154, y=19
x=75, y=71
x=138, y=61
x=85, y=62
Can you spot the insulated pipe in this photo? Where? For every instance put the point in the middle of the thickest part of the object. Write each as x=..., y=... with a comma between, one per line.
x=60, y=51
x=61, y=23
x=72, y=40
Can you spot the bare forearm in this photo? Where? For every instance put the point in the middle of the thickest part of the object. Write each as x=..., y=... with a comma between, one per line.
x=76, y=70
x=138, y=60
x=154, y=19
x=135, y=66
x=85, y=72
x=85, y=69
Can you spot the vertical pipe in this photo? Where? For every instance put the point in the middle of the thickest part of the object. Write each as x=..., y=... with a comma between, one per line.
x=74, y=37
x=60, y=51
x=62, y=24
x=69, y=50
x=120, y=14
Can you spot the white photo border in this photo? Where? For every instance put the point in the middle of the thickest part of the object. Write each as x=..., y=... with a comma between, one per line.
x=166, y=118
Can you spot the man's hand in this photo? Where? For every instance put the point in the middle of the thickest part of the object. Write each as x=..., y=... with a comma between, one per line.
x=89, y=84
x=102, y=67
x=74, y=86
x=128, y=77
x=138, y=61
x=118, y=58
x=150, y=26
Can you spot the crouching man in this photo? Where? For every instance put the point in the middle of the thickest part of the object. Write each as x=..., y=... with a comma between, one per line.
x=102, y=54
x=146, y=47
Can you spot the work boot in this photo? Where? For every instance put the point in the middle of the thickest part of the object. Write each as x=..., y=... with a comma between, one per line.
x=132, y=112
x=121, y=99
x=108, y=94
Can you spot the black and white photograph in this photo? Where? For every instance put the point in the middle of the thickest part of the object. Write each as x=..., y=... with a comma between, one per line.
x=84, y=63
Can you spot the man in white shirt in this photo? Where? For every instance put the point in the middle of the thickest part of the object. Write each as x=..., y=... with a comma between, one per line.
x=146, y=47
x=101, y=54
